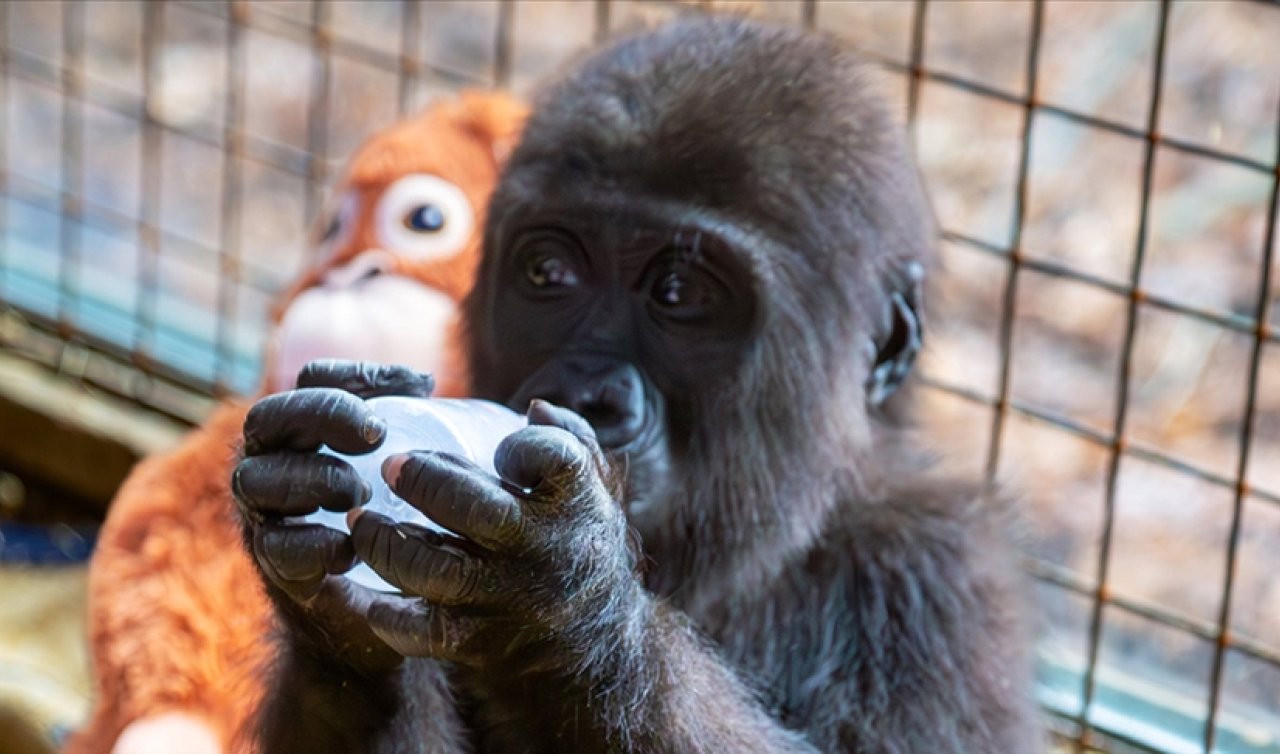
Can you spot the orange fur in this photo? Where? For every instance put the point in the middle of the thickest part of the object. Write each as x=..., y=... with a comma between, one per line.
x=178, y=617
x=465, y=141
x=178, y=620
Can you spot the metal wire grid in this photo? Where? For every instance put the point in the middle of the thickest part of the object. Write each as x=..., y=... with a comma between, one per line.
x=1258, y=327
x=135, y=372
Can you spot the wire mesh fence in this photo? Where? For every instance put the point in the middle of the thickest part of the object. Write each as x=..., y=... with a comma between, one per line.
x=1106, y=174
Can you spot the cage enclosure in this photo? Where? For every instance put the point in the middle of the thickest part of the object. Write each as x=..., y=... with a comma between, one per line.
x=1105, y=173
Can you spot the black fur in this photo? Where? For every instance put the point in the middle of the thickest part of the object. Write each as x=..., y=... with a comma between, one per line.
x=868, y=607
x=808, y=584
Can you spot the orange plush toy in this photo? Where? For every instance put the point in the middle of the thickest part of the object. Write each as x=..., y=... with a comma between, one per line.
x=178, y=622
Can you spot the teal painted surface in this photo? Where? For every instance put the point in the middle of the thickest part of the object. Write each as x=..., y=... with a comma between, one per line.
x=105, y=307
x=1163, y=717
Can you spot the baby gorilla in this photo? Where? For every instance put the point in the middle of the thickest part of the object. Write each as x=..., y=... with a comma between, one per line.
x=707, y=250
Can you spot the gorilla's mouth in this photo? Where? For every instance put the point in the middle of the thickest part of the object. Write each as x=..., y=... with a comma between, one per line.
x=613, y=396
x=644, y=429
x=650, y=435
x=625, y=410
x=644, y=472
x=643, y=465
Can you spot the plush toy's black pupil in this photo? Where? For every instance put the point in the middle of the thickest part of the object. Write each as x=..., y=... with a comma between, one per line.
x=425, y=219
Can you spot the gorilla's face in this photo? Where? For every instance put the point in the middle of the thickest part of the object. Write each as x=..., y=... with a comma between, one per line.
x=714, y=270
x=626, y=318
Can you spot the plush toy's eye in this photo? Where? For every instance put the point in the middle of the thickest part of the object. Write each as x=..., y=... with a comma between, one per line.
x=337, y=227
x=423, y=217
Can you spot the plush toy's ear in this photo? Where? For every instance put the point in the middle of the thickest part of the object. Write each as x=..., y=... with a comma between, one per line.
x=899, y=337
x=495, y=118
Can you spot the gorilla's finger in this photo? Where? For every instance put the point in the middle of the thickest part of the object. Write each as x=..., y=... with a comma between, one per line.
x=418, y=561
x=295, y=484
x=367, y=379
x=306, y=419
x=551, y=462
x=297, y=557
x=417, y=629
x=547, y=414
x=456, y=494
x=334, y=612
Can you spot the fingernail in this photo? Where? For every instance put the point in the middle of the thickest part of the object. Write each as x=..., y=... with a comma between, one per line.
x=391, y=466
x=352, y=515
x=237, y=490
x=374, y=429
x=539, y=411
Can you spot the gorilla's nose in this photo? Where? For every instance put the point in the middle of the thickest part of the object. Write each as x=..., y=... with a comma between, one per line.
x=606, y=391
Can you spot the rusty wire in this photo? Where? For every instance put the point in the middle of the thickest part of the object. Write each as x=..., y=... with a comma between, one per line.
x=1101, y=590
x=1223, y=638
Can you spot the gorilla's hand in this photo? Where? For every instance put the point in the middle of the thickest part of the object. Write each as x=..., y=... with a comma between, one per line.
x=283, y=476
x=541, y=560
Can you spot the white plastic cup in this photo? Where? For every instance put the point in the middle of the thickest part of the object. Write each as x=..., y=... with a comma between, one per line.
x=465, y=427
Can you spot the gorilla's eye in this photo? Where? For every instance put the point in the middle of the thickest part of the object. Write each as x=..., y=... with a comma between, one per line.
x=671, y=290
x=547, y=270
x=682, y=293
x=425, y=218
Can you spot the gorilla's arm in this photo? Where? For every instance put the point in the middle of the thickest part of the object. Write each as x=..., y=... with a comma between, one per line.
x=658, y=687
x=893, y=633
x=316, y=705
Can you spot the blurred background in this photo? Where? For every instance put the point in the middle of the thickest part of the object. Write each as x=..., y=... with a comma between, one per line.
x=1105, y=340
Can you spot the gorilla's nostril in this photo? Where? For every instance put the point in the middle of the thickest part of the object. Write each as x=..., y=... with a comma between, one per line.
x=617, y=433
x=615, y=426
x=599, y=414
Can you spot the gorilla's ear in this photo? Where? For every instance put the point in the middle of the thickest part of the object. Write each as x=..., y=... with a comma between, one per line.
x=899, y=336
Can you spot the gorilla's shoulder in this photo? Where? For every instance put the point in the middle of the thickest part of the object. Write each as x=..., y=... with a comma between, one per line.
x=923, y=525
